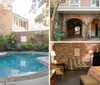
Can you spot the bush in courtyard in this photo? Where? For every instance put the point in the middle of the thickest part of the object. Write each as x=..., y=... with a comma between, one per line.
x=40, y=47
x=27, y=47
x=11, y=41
x=3, y=42
x=58, y=33
x=45, y=48
x=35, y=47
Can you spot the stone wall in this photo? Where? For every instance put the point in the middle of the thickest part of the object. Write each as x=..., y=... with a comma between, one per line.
x=28, y=34
x=65, y=50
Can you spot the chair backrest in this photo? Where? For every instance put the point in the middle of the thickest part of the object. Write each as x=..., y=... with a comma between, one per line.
x=75, y=62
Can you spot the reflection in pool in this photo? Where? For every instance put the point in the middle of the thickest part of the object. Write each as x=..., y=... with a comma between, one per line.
x=20, y=64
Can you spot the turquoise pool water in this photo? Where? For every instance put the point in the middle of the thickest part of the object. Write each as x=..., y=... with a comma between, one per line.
x=20, y=64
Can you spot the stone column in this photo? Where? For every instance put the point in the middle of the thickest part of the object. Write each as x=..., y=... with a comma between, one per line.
x=83, y=30
x=64, y=26
x=90, y=29
x=27, y=25
x=18, y=21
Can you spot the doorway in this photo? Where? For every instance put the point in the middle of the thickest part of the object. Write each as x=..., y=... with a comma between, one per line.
x=74, y=28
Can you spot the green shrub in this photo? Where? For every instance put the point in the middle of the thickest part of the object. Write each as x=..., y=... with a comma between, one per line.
x=58, y=33
x=7, y=43
x=40, y=47
x=45, y=48
x=27, y=46
x=35, y=47
x=11, y=42
x=3, y=42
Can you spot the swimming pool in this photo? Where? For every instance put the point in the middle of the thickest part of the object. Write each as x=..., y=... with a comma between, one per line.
x=19, y=64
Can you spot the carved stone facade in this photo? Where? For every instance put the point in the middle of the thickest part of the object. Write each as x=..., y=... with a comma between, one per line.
x=87, y=21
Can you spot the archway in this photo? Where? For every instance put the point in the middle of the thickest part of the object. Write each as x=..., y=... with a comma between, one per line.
x=95, y=27
x=74, y=27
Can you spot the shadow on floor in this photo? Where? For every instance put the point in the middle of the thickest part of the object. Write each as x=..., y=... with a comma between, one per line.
x=71, y=77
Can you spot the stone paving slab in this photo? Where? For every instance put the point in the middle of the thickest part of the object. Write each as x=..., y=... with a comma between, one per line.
x=44, y=59
x=38, y=81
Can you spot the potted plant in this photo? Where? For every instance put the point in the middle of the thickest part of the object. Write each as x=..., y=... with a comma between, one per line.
x=87, y=36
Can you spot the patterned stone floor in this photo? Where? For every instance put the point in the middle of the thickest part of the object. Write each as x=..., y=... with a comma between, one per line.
x=71, y=77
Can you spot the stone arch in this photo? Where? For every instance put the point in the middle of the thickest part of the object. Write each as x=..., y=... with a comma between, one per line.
x=71, y=25
x=67, y=17
x=92, y=18
x=77, y=17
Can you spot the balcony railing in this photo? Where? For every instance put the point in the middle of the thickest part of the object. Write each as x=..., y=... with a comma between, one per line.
x=80, y=4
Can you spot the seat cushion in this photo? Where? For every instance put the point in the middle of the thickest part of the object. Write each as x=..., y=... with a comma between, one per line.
x=88, y=80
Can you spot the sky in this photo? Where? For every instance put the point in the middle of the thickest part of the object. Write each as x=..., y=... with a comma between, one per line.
x=22, y=8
